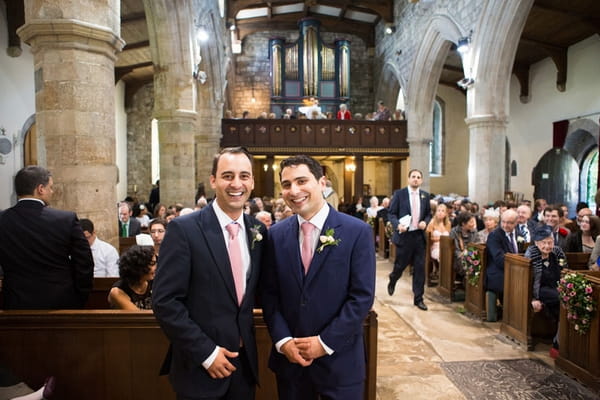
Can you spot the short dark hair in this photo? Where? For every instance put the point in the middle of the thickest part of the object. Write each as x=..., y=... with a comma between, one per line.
x=463, y=217
x=554, y=208
x=313, y=165
x=229, y=150
x=134, y=263
x=29, y=178
x=157, y=221
x=415, y=170
x=86, y=225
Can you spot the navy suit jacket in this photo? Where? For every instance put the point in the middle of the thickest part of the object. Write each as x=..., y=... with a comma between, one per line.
x=497, y=246
x=195, y=302
x=332, y=300
x=47, y=261
x=400, y=206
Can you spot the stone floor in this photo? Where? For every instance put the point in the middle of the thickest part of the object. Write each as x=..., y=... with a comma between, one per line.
x=412, y=343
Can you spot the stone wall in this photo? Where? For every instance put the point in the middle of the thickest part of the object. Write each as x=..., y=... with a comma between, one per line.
x=139, y=143
x=411, y=21
x=252, y=68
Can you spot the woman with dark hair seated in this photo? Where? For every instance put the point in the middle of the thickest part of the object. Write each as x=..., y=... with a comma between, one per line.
x=136, y=270
x=584, y=239
x=463, y=233
x=547, y=260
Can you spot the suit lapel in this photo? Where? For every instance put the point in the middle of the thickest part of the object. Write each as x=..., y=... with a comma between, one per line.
x=209, y=224
x=319, y=257
x=290, y=248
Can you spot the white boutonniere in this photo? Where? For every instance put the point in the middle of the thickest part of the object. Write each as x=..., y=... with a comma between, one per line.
x=520, y=239
x=562, y=262
x=328, y=239
x=256, y=235
x=422, y=196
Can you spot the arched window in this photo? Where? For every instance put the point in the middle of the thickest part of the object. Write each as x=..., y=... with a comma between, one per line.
x=589, y=178
x=436, y=145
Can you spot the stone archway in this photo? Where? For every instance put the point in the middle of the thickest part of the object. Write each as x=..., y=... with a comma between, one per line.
x=389, y=86
x=490, y=64
x=425, y=74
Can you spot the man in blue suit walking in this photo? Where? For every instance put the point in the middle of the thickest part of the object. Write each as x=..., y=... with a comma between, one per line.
x=319, y=285
x=409, y=214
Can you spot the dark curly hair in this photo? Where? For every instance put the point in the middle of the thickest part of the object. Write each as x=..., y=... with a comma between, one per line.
x=463, y=218
x=135, y=263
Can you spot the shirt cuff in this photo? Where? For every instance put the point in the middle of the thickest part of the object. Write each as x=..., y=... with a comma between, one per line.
x=281, y=343
x=328, y=350
x=208, y=362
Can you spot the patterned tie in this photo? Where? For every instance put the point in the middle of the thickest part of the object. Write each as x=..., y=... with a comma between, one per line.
x=525, y=233
x=515, y=249
x=235, y=258
x=307, y=250
x=414, y=205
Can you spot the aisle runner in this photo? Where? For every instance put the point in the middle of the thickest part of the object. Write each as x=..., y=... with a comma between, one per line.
x=513, y=379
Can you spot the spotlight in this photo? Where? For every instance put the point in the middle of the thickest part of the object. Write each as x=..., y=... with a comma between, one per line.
x=465, y=83
x=389, y=29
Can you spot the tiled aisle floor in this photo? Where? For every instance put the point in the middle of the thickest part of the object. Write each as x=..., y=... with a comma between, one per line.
x=412, y=343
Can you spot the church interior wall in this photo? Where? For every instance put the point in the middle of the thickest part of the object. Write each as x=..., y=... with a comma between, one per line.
x=121, y=140
x=530, y=125
x=17, y=105
x=139, y=143
x=456, y=145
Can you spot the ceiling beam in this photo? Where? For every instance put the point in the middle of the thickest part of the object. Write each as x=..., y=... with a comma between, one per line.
x=133, y=17
x=136, y=45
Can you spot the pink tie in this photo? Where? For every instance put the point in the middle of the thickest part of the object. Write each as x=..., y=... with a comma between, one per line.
x=235, y=258
x=414, y=209
x=307, y=250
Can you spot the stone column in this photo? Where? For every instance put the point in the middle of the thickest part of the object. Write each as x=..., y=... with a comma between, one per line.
x=419, y=158
x=208, y=143
x=487, y=148
x=176, y=130
x=74, y=50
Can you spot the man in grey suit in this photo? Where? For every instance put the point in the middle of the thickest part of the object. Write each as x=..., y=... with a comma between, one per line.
x=203, y=292
x=46, y=259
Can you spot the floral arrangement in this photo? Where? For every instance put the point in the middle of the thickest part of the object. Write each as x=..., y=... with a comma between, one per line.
x=471, y=262
x=371, y=221
x=256, y=235
x=389, y=230
x=328, y=240
x=575, y=294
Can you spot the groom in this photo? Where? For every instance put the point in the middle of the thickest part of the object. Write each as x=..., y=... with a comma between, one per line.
x=319, y=284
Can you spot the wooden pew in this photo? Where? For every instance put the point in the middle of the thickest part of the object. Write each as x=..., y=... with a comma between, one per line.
x=428, y=262
x=116, y=354
x=475, y=302
x=384, y=243
x=125, y=243
x=446, y=287
x=519, y=321
x=98, y=299
x=578, y=261
x=579, y=355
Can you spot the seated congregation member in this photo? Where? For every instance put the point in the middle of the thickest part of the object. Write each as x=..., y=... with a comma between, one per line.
x=501, y=241
x=160, y=211
x=106, y=257
x=490, y=222
x=438, y=226
x=525, y=225
x=374, y=207
x=584, y=239
x=547, y=260
x=344, y=113
x=463, y=233
x=552, y=217
x=134, y=290
x=157, y=229
x=128, y=227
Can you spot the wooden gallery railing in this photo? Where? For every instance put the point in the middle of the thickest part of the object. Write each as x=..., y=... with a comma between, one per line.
x=579, y=354
x=115, y=354
x=322, y=135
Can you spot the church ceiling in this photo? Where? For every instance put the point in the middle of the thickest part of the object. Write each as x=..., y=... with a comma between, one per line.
x=552, y=26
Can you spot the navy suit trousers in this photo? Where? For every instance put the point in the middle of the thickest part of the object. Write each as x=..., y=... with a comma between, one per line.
x=411, y=251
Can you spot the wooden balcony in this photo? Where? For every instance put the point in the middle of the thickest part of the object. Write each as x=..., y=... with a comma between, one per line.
x=281, y=136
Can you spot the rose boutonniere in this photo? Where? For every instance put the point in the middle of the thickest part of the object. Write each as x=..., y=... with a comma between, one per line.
x=520, y=239
x=256, y=235
x=562, y=232
x=328, y=239
x=562, y=262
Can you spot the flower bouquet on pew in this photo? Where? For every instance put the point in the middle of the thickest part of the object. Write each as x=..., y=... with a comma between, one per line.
x=471, y=262
x=575, y=294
